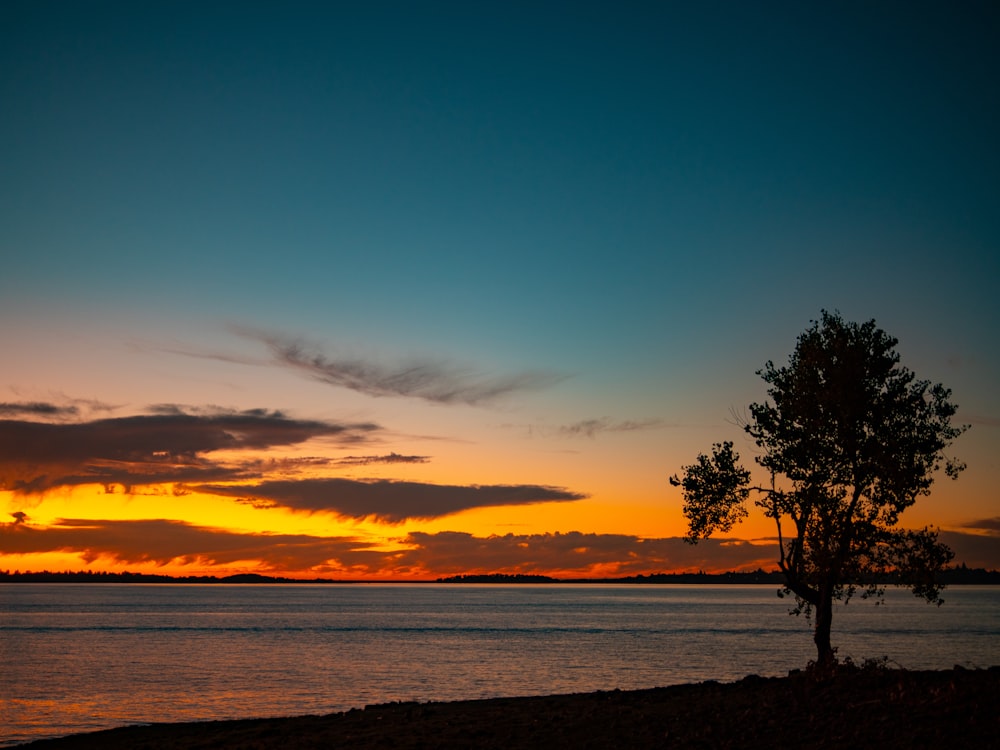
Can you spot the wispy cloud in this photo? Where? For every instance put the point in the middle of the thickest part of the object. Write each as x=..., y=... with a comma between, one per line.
x=589, y=428
x=61, y=408
x=989, y=525
x=592, y=427
x=196, y=352
x=391, y=458
x=386, y=500
x=438, y=381
x=169, y=445
x=37, y=409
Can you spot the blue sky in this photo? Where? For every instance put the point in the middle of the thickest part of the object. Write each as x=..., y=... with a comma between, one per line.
x=638, y=203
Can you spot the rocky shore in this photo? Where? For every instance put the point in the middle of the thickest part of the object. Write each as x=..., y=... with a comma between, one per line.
x=855, y=708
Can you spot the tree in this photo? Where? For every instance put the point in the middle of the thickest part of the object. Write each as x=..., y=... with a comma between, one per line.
x=850, y=439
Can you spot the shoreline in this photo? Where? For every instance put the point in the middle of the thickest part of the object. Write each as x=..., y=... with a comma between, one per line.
x=958, y=575
x=877, y=708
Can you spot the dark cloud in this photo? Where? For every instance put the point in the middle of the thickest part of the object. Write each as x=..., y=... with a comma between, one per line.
x=290, y=465
x=580, y=555
x=161, y=542
x=576, y=554
x=428, y=379
x=975, y=550
x=386, y=500
x=167, y=446
x=991, y=525
x=568, y=555
x=164, y=542
x=37, y=409
x=391, y=458
x=64, y=408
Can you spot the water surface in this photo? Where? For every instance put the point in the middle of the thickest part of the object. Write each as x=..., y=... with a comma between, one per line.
x=78, y=657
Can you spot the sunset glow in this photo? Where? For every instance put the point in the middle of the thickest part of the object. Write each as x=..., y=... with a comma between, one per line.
x=345, y=294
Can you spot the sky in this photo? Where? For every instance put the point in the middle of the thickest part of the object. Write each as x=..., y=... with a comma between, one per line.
x=394, y=291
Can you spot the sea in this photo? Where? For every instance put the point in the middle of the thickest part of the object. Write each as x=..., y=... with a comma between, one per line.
x=83, y=657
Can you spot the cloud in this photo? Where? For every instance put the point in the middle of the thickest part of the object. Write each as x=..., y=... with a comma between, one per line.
x=419, y=554
x=66, y=408
x=989, y=525
x=162, y=542
x=432, y=380
x=576, y=554
x=37, y=409
x=975, y=550
x=188, y=350
x=391, y=458
x=386, y=500
x=591, y=427
x=169, y=445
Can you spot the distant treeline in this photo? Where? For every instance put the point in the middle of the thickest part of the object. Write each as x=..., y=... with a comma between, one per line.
x=757, y=576
x=89, y=576
x=500, y=578
x=958, y=575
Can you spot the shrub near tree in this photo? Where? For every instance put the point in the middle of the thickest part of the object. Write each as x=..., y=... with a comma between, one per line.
x=850, y=439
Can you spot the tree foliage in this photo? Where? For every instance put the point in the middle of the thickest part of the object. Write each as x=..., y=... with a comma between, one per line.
x=850, y=439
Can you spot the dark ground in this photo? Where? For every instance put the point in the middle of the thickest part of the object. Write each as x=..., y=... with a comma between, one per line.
x=875, y=708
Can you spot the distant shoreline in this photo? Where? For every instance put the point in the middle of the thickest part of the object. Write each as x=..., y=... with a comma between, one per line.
x=959, y=575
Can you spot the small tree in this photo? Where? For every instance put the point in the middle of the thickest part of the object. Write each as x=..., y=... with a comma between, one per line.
x=850, y=439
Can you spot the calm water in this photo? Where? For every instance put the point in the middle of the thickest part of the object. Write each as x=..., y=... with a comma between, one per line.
x=79, y=657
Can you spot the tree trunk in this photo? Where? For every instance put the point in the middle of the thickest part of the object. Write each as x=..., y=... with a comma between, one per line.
x=824, y=621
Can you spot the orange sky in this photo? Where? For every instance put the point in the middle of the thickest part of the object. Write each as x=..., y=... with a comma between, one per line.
x=215, y=491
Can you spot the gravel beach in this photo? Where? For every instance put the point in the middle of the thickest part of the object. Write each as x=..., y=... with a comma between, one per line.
x=881, y=708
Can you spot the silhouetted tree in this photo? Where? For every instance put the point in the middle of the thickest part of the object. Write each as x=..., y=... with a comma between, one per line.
x=850, y=438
